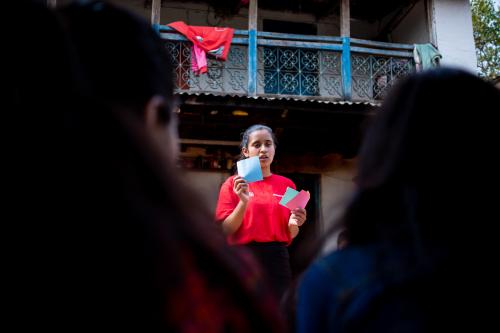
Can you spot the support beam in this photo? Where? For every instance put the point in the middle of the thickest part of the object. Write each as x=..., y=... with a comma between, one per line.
x=155, y=13
x=345, y=18
x=252, y=47
x=431, y=21
x=52, y=3
x=346, y=68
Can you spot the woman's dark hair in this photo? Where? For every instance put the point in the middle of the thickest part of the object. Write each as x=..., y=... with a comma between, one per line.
x=124, y=59
x=422, y=162
x=121, y=242
x=245, y=136
x=424, y=181
x=417, y=160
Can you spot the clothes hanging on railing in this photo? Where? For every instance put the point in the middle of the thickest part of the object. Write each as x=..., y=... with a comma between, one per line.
x=198, y=60
x=426, y=56
x=214, y=41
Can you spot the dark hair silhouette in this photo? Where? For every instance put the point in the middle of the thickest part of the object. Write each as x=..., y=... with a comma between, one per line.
x=122, y=245
x=426, y=138
x=424, y=172
x=123, y=58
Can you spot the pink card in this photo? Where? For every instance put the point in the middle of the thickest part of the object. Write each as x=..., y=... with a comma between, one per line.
x=299, y=201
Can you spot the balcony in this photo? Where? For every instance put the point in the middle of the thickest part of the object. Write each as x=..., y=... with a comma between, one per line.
x=301, y=67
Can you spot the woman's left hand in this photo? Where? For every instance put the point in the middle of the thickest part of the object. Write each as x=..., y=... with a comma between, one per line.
x=298, y=216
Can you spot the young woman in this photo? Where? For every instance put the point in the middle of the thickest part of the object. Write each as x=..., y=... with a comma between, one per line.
x=250, y=214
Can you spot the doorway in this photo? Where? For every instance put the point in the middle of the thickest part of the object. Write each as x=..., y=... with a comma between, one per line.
x=307, y=238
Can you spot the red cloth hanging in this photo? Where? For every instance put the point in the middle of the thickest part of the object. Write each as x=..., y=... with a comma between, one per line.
x=214, y=40
x=198, y=60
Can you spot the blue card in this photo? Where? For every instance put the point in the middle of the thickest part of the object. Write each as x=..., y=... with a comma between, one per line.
x=249, y=169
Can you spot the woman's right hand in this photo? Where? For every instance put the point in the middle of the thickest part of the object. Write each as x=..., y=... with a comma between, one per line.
x=240, y=187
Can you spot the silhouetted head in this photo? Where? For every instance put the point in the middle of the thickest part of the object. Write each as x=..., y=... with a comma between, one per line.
x=426, y=162
x=126, y=64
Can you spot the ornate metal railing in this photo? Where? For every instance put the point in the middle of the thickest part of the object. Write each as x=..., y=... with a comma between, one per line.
x=299, y=65
x=376, y=66
x=312, y=67
x=223, y=77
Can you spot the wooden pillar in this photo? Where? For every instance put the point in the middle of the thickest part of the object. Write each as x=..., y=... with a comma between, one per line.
x=346, y=68
x=345, y=18
x=431, y=21
x=345, y=33
x=252, y=47
x=52, y=3
x=155, y=13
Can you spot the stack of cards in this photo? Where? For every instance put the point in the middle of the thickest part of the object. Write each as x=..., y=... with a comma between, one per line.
x=293, y=199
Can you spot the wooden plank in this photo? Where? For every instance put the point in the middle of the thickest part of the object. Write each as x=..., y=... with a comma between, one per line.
x=346, y=69
x=345, y=18
x=166, y=28
x=174, y=37
x=304, y=45
x=299, y=37
x=171, y=32
x=241, y=32
x=155, y=12
x=382, y=44
x=181, y=38
x=383, y=52
x=240, y=41
x=252, y=47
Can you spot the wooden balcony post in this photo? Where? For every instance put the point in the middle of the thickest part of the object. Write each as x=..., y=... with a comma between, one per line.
x=155, y=14
x=252, y=47
x=345, y=32
x=345, y=18
x=431, y=21
x=346, y=68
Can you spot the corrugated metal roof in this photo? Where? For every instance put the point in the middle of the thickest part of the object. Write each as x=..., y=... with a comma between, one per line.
x=268, y=97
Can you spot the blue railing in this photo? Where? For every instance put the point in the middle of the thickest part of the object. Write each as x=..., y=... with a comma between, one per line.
x=304, y=67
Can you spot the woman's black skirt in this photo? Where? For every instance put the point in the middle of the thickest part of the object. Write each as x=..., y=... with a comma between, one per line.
x=275, y=262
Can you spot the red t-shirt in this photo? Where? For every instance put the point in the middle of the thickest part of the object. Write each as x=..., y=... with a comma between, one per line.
x=265, y=220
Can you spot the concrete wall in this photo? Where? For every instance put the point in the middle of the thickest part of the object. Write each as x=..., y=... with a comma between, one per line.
x=413, y=28
x=337, y=187
x=207, y=185
x=453, y=28
x=200, y=14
